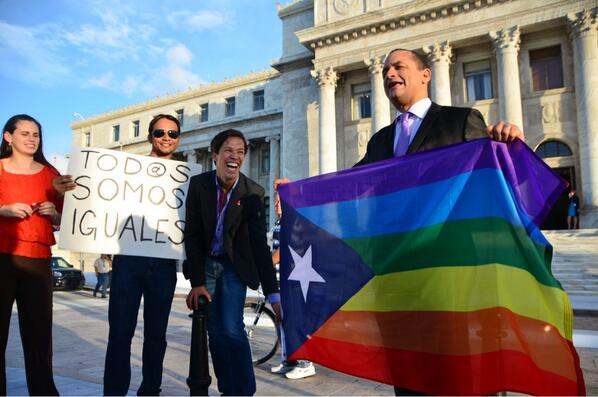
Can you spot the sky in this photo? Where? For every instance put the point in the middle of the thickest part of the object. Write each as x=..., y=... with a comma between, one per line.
x=62, y=60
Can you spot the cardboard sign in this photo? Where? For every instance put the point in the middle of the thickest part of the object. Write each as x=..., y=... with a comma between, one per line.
x=126, y=204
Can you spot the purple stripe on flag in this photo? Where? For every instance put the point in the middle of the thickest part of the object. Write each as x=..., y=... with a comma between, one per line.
x=535, y=185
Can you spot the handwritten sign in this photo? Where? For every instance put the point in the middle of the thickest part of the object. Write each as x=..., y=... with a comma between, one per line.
x=126, y=204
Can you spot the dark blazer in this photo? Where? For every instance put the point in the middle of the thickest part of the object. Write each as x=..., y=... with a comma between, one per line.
x=442, y=126
x=244, y=232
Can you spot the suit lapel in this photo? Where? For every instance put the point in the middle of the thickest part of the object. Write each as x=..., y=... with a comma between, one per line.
x=389, y=145
x=208, y=196
x=425, y=128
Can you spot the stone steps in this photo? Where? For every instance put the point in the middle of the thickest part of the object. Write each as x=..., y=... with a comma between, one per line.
x=575, y=260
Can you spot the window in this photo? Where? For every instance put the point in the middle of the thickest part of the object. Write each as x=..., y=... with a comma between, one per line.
x=135, y=128
x=267, y=211
x=178, y=156
x=207, y=163
x=361, y=97
x=229, y=107
x=203, y=113
x=205, y=159
x=553, y=149
x=478, y=80
x=116, y=133
x=258, y=100
x=87, y=139
x=265, y=160
x=546, y=68
x=180, y=116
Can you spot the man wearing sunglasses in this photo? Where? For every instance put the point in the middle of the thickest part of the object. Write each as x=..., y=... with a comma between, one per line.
x=132, y=278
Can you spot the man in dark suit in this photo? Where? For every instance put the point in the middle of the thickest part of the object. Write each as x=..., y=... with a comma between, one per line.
x=225, y=242
x=422, y=124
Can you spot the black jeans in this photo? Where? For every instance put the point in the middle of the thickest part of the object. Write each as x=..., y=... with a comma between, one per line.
x=133, y=277
x=29, y=282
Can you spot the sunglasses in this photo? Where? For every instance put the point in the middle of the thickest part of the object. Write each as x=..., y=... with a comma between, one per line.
x=171, y=133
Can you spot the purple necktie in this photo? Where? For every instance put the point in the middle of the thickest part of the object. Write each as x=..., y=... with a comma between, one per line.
x=403, y=142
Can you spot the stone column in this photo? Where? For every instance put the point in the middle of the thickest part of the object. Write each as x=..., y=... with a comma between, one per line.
x=380, y=107
x=274, y=171
x=506, y=46
x=191, y=156
x=439, y=55
x=246, y=166
x=583, y=33
x=327, y=78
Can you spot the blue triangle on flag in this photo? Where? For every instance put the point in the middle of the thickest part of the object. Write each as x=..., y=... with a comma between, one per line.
x=342, y=269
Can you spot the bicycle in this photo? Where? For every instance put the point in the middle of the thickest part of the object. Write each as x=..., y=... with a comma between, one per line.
x=261, y=330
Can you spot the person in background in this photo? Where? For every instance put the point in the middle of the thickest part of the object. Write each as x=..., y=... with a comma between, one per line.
x=573, y=211
x=29, y=207
x=102, y=267
x=290, y=369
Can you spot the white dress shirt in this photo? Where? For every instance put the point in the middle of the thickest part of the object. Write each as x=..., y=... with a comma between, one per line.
x=418, y=112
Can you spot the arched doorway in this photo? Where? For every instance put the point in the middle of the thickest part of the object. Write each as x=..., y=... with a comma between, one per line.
x=557, y=218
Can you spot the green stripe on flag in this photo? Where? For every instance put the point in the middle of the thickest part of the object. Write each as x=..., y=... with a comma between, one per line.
x=469, y=242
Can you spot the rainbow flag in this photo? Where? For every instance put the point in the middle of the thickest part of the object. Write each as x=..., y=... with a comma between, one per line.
x=429, y=272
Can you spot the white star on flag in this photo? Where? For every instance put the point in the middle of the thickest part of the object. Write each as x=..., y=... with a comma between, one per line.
x=304, y=271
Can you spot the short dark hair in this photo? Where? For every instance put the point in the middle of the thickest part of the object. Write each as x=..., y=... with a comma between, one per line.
x=422, y=60
x=219, y=139
x=160, y=117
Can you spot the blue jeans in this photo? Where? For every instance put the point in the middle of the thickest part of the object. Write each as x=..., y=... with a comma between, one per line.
x=229, y=347
x=102, y=282
x=133, y=277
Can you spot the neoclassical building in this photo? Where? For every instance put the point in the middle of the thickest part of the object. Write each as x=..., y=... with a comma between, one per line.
x=251, y=104
x=530, y=62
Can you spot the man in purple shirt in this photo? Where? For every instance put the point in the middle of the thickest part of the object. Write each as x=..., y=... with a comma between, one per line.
x=225, y=242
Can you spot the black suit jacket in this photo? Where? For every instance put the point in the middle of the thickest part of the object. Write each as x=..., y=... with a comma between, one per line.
x=244, y=232
x=442, y=126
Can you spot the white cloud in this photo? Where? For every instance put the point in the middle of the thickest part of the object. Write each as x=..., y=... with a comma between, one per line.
x=131, y=84
x=172, y=73
x=206, y=19
x=178, y=68
x=181, y=78
x=179, y=55
x=29, y=54
x=117, y=47
x=198, y=20
x=113, y=40
x=106, y=80
x=176, y=74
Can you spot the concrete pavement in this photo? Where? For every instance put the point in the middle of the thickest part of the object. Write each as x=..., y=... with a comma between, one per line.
x=80, y=334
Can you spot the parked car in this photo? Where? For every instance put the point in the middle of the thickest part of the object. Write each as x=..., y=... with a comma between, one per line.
x=65, y=276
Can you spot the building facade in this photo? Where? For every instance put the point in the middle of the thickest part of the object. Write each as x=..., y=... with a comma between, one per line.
x=530, y=62
x=251, y=104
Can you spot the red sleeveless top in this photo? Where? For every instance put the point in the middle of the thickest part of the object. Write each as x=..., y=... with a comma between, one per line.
x=31, y=237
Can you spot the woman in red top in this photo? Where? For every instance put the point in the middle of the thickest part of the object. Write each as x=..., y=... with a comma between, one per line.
x=28, y=209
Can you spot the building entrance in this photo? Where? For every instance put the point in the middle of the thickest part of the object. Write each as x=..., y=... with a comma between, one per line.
x=557, y=217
